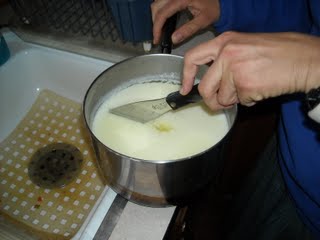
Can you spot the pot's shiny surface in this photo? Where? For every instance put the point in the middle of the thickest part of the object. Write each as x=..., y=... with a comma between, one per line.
x=152, y=183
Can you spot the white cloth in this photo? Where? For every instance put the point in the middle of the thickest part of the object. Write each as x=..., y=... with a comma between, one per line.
x=315, y=114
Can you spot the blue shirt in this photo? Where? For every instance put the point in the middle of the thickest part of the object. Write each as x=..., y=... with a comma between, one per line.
x=299, y=136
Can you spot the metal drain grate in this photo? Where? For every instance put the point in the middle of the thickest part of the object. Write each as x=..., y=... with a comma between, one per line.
x=55, y=165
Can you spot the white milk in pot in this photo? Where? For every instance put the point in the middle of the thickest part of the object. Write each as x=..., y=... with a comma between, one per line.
x=174, y=135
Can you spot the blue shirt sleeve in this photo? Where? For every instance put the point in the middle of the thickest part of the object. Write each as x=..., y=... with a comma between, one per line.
x=315, y=14
x=298, y=135
x=264, y=16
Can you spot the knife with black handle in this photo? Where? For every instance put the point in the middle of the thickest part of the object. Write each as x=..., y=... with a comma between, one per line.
x=175, y=99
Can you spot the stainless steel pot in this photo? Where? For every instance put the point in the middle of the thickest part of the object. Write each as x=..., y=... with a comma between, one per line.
x=151, y=183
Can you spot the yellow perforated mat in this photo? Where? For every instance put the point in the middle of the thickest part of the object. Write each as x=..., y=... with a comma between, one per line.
x=49, y=213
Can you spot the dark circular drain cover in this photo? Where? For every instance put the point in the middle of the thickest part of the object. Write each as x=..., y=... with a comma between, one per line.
x=55, y=165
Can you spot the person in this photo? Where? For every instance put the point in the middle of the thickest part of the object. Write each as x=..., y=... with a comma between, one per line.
x=264, y=49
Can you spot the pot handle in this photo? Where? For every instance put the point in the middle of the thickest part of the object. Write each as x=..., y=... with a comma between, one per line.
x=168, y=29
x=176, y=100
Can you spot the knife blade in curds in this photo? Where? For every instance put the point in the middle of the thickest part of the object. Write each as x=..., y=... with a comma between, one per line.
x=145, y=111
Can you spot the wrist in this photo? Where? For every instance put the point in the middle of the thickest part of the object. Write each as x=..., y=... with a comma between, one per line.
x=313, y=76
x=313, y=70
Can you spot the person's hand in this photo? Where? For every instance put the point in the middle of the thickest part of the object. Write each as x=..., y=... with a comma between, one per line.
x=205, y=12
x=248, y=68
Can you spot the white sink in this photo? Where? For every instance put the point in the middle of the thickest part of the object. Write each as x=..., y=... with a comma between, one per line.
x=32, y=68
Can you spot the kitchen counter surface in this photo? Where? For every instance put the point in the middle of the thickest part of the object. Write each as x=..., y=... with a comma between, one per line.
x=142, y=223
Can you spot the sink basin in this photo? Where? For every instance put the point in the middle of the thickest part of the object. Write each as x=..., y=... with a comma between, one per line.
x=30, y=70
x=33, y=68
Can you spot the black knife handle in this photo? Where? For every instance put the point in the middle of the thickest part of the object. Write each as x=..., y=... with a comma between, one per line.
x=176, y=100
x=168, y=29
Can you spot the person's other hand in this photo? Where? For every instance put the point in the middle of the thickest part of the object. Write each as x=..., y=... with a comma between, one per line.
x=205, y=12
x=248, y=68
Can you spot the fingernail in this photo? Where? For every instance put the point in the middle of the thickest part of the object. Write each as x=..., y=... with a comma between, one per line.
x=250, y=104
x=177, y=37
